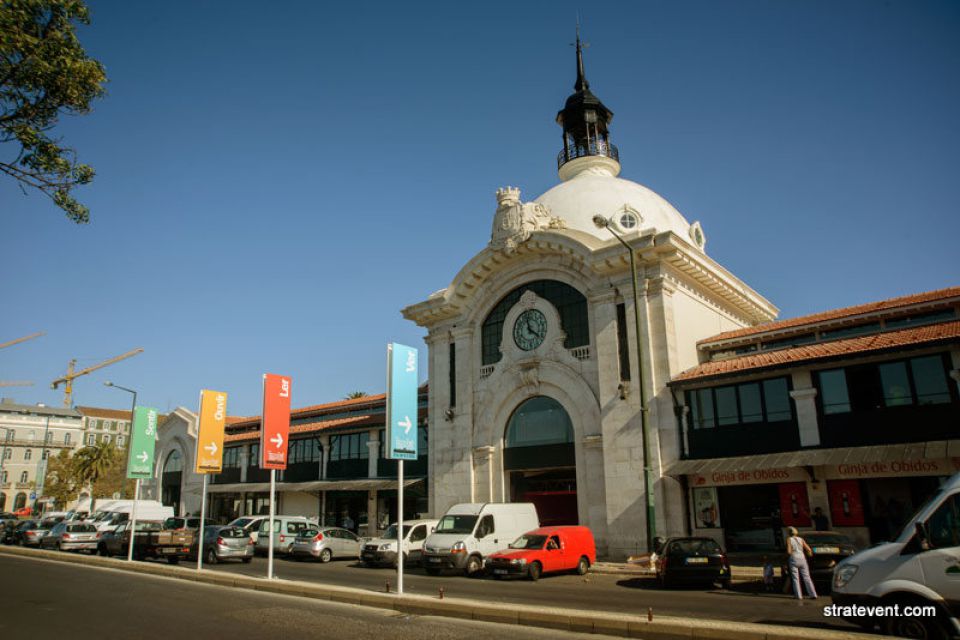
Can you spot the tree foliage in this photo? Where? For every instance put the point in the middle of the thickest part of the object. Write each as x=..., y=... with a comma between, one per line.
x=44, y=72
x=62, y=482
x=353, y=395
x=101, y=467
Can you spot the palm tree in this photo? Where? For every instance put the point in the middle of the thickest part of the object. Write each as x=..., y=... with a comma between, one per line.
x=353, y=395
x=94, y=462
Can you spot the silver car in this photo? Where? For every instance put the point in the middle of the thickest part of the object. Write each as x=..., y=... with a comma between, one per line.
x=285, y=530
x=221, y=543
x=326, y=544
x=71, y=536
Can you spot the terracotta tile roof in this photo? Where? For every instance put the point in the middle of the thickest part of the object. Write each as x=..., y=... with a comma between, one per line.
x=310, y=427
x=862, y=344
x=236, y=419
x=112, y=414
x=836, y=314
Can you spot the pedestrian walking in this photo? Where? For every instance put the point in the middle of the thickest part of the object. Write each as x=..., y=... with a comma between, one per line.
x=798, y=550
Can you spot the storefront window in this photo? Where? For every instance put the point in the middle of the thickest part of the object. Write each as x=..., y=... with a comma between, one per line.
x=747, y=403
x=896, y=384
x=931, y=380
x=304, y=450
x=833, y=391
x=702, y=409
x=751, y=409
x=776, y=392
x=350, y=446
x=727, y=406
x=231, y=457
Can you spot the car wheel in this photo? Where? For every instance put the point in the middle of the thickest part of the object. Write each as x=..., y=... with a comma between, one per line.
x=725, y=584
x=173, y=559
x=246, y=560
x=473, y=567
x=102, y=550
x=583, y=566
x=326, y=555
x=432, y=572
x=914, y=627
x=534, y=571
x=60, y=547
x=211, y=557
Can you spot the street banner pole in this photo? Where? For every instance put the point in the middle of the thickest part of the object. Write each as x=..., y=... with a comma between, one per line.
x=402, y=437
x=274, y=432
x=211, y=420
x=143, y=440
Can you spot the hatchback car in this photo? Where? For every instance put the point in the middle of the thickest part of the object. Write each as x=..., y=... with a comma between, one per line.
x=326, y=544
x=692, y=560
x=71, y=536
x=29, y=534
x=829, y=548
x=221, y=543
x=285, y=530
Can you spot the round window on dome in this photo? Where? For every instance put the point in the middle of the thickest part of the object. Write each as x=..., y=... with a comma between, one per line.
x=628, y=220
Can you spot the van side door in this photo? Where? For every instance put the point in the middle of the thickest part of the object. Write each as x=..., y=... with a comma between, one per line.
x=486, y=535
x=941, y=562
x=415, y=542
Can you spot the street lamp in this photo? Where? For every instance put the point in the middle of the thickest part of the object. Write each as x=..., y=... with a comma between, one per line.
x=136, y=495
x=133, y=406
x=604, y=223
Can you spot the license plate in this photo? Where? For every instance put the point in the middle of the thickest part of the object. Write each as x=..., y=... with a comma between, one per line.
x=168, y=550
x=697, y=560
x=500, y=572
x=435, y=559
x=826, y=550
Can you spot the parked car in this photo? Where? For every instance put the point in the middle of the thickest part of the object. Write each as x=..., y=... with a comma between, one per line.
x=173, y=545
x=285, y=530
x=920, y=567
x=692, y=560
x=29, y=533
x=545, y=550
x=324, y=544
x=223, y=542
x=249, y=524
x=383, y=550
x=112, y=517
x=117, y=542
x=7, y=527
x=829, y=548
x=470, y=532
x=71, y=536
x=24, y=512
x=177, y=523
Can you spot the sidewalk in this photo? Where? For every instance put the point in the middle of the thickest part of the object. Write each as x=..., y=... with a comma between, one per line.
x=744, y=567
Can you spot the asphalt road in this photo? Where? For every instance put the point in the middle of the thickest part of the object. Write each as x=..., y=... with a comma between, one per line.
x=46, y=599
x=595, y=592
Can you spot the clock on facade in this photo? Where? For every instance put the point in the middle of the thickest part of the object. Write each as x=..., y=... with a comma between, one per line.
x=530, y=329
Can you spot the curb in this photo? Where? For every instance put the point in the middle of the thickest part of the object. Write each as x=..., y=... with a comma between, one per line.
x=661, y=628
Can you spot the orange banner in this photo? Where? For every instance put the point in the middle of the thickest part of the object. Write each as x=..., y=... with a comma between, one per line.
x=213, y=418
x=276, y=421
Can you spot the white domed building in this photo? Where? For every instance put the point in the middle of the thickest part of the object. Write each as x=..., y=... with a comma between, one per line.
x=535, y=382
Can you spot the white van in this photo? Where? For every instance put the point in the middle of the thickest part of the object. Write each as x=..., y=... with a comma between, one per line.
x=383, y=550
x=116, y=514
x=469, y=532
x=920, y=567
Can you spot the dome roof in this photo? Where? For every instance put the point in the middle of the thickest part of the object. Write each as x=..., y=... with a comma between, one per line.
x=595, y=189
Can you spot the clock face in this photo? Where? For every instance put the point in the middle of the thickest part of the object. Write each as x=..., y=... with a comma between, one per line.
x=530, y=329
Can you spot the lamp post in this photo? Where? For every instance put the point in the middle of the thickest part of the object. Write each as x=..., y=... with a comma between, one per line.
x=604, y=223
x=42, y=467
x=136, y=495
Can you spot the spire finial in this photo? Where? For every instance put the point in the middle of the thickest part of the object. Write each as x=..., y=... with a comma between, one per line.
x=581, y=84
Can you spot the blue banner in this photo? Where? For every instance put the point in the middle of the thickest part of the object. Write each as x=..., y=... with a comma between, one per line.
x=401, y=402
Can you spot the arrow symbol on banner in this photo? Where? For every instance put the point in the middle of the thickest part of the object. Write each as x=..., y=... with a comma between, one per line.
x=277, y=440
x=212, y=448
x=406, y=424
x=142, y=457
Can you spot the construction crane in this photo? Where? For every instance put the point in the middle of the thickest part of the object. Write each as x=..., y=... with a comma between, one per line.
x=23, y=339
x=68, y=379
x=15, y=383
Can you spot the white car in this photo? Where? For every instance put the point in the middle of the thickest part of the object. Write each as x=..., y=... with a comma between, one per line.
x=285, y=531
x=383, y=550
x=249, y=524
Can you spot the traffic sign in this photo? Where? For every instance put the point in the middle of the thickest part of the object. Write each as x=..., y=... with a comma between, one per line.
x=213, y=418
x=276, y=421
x=401, y=402
x=33, y=495
x=143, y=439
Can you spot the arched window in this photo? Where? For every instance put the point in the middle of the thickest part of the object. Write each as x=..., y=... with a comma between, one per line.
x=48, y=438
x=24, y=476
x=3, y=500
x=4, y=479
x=20, y=502
x=174, y=462
x=66, y=438
x=28, y=454
x=7, y=453
x=46, y=454
x=570, y=304
x=537, y=422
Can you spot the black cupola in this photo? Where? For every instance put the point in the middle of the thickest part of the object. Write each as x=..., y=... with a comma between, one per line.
x=584, y=120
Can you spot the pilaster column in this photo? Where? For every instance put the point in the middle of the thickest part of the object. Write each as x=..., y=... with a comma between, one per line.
x=324, y=456
x=244, y=461
x=373, y=452
x=804, y=397
x=481, y=455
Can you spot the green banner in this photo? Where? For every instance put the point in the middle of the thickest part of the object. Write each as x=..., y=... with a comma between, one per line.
x=143, y=439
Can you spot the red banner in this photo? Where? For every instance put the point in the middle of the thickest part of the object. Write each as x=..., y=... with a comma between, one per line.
x=275, y=422
x=794, y=505
x=846, y=505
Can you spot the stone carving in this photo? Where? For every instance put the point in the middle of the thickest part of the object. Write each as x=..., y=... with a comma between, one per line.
x=530, y=377
x=514, y=220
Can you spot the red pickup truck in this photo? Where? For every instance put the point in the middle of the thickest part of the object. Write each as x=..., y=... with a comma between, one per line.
x=545, y=550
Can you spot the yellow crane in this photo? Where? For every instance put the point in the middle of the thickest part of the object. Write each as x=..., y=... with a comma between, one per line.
x=68, y=379
x=23, y=339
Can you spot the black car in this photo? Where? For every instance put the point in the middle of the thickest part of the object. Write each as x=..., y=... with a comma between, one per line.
x=7, y=527
x=829, y=548
x=692, y=561
x=117, y=542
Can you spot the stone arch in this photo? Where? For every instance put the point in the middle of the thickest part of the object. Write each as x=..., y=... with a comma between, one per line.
x=20, y=501
x=172, y=469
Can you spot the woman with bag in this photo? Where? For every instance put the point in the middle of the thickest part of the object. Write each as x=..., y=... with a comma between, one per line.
x=798, y=550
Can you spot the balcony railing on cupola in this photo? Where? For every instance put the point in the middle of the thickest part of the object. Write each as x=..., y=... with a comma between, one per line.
x=594, y=148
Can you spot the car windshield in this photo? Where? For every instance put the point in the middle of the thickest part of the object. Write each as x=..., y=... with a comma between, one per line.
x=456, y=524
x=692, y=546
x=528, y=542
x=391, y=532
x=149, y=526
x=241, y=522
x=826, y=538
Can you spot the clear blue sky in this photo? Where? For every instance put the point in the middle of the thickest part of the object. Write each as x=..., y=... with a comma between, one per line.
x=273, y=186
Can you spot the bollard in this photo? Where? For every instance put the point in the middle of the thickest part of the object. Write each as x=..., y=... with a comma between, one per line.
x=441, y=593
x=388, y=586
x=649, y=614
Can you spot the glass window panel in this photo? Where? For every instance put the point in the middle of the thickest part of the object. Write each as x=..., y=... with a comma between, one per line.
x=930, y=379
x=727, y=406
x=363, y=451
x=705, y=397
x=539, y=421
x=776, y=396
x=896, y=384
x=694, y=405
x=751, y=409
x=833, y=391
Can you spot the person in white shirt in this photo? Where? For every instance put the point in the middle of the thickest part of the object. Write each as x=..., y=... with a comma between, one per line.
x=798, y=550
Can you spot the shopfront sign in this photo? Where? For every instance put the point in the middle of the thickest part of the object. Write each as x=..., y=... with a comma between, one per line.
x=705, y=507
x=893, y=469
x=213, y=418
x=275, y=429
x=754, y=476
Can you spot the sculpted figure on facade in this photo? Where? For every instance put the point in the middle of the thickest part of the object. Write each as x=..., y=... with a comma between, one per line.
x=514, y=220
